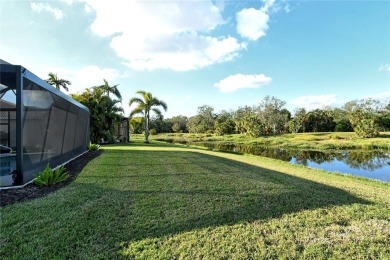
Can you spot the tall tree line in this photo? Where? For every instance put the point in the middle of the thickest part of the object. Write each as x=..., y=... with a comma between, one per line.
x=366, y=117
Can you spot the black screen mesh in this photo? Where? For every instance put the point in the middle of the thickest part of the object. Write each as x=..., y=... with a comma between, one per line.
x=54, y=130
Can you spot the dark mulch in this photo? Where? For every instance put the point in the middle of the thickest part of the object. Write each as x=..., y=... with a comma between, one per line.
x=29, y=192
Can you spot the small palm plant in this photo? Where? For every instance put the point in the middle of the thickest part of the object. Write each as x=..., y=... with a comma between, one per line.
x=49, y=177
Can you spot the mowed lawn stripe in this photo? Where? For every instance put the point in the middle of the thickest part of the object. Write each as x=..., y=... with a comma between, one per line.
x=162, y=201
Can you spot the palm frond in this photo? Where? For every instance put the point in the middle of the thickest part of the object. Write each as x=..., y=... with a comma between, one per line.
x=137, y=110
x=136, y=100
x=157, y=102
x=115, y=101
x=157, y=111
x=116, y=92
x=57, y=82
x=141, y=92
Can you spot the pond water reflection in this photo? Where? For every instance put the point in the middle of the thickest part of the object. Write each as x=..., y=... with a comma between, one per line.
x=371, y=164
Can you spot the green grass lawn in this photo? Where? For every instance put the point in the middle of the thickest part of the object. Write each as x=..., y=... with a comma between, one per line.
x=316, y=141
x=162, y=201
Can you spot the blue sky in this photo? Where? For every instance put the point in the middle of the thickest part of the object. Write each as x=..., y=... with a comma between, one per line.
x=221, y=53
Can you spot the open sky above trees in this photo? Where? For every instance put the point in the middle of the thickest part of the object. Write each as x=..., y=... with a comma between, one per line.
x=222, y=53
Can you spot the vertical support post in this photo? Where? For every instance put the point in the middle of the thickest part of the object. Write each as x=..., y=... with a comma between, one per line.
x=9, y=128
x=47, y=128
x=127, y=130
x=65, y=128
x=18, y=175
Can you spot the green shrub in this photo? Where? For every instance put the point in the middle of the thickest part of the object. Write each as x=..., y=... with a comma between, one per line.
x=49, y=177
x=152, y=131
x=94, y=147
x=366, y=128
x=224, y=128
x=343, y=126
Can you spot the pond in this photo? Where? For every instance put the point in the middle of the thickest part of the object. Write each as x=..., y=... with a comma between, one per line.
x=374, y=164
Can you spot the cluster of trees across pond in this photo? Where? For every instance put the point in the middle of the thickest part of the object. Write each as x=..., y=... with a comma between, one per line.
x=270, y=117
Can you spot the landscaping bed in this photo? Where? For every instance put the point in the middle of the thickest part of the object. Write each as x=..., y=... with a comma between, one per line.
x=31, y=191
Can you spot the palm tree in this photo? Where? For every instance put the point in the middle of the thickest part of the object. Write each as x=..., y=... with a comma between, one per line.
x=104, y=113
x=57, y=83
x=145, y=105
x=111, y=89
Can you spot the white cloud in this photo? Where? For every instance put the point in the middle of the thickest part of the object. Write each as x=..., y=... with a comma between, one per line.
x=164, y=34
x=314, y=102
x=252, y=23
x=384, y=96
x=287, y=8
x=39, y=7
x=69, y=2
x=267, y=5
x=176, y=52
x=239, y=81
x=385, y=68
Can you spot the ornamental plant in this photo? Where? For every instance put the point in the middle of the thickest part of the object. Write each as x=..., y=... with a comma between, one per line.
x=49, y=177
x=93, y=147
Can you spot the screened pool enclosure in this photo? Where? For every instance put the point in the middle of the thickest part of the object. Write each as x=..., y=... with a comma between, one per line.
x=38, y=125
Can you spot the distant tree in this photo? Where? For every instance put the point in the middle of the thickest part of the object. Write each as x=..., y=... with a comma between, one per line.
x=57, y=82
x=145, y=105
x=253, y=125
x=340, y=118
x=160, y=125
x=239, y=118
x=363, y=115
x=107, y=89
x=383, y=118
x=366, y=128
x=299, y=121
x=179, y=124
x=320, y=120
x=224, y=123
x=292, y=126
x=247, y=121
x=286, y=117
x=104, y=113
x=224, y=116
x=208, y=117
x=343, y=126
x=203, y=122
x=137, y=124
x=273, y=115
x=195, y=124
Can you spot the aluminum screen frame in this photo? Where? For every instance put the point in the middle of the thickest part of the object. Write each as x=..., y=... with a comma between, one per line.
x=51, y=127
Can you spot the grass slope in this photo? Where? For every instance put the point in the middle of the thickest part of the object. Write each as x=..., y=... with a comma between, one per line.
x=161, y=201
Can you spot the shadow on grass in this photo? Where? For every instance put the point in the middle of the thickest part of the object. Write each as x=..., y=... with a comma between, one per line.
x=184, y=190
x=125, y=196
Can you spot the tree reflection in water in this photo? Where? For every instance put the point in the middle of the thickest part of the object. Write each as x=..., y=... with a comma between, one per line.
x=366, y=160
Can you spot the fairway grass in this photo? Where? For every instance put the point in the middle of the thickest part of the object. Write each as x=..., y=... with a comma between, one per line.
x=165, y=201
